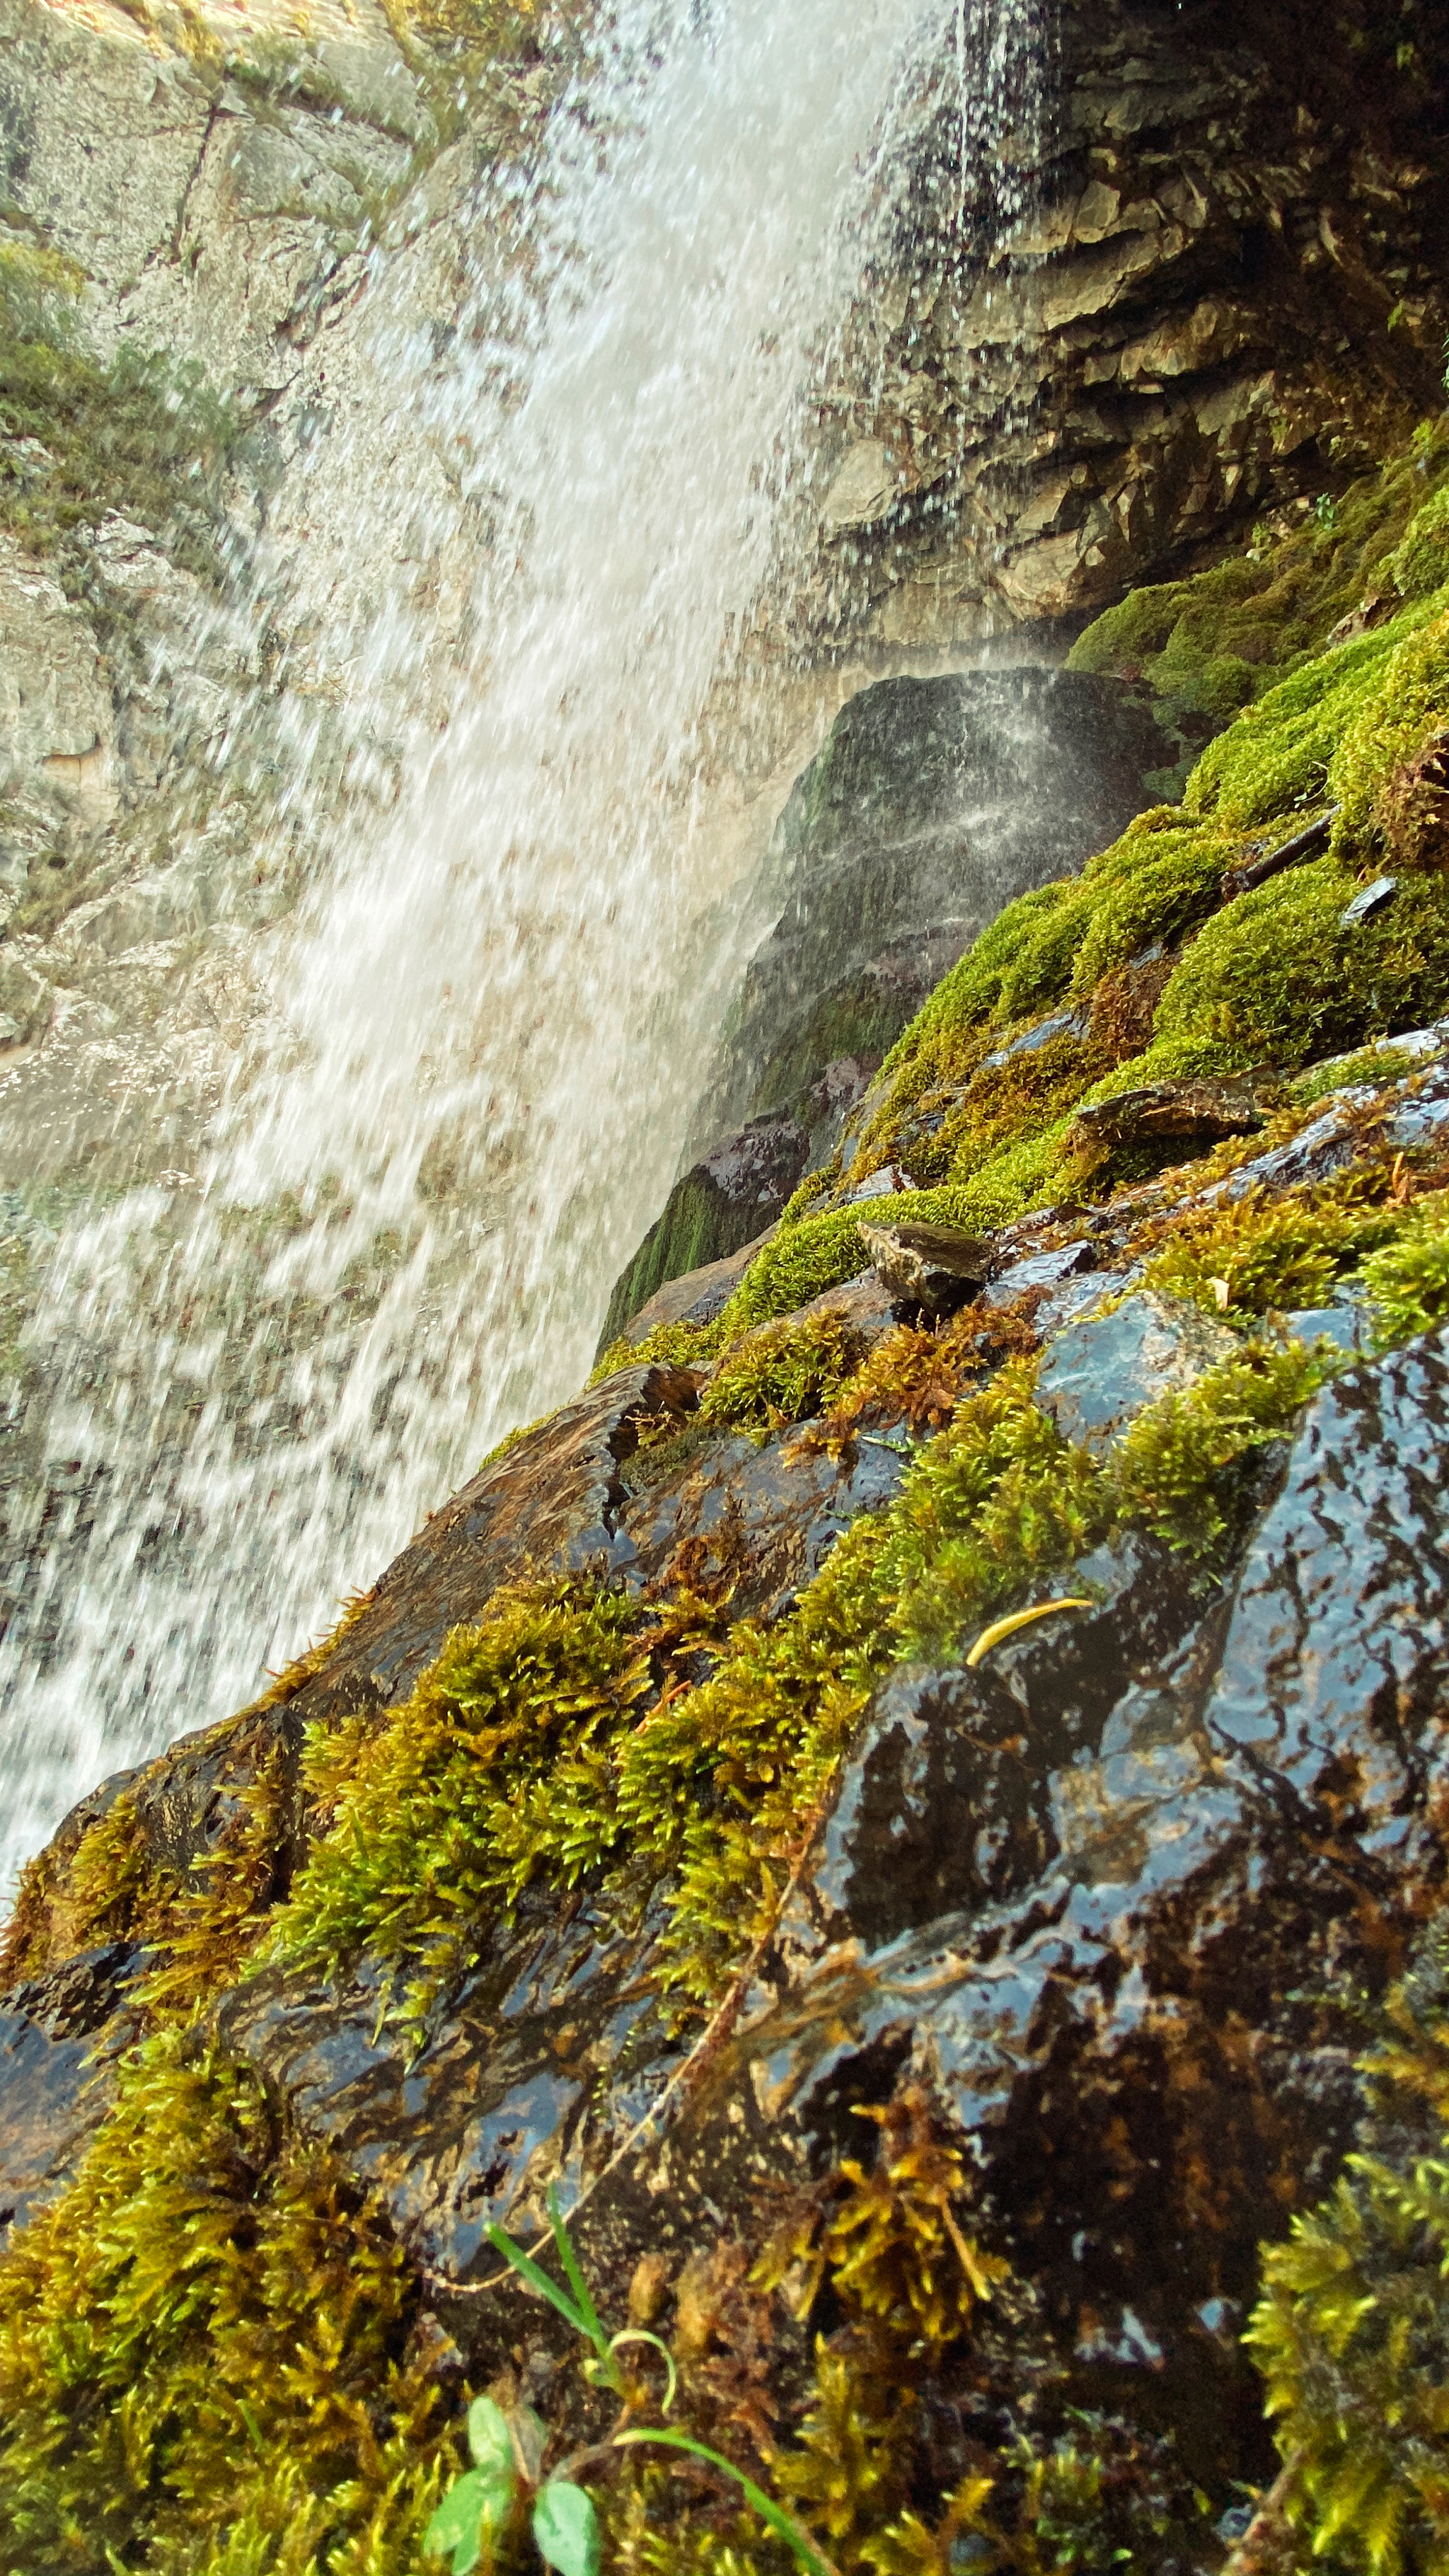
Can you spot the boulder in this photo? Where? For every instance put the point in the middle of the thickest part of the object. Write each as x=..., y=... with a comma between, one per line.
x=928, y=1269
x=932, y=804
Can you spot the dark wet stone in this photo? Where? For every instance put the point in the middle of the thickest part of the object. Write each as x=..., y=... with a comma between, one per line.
x=699, y=1295
x=52, y=2096
x=768, y=1514
x=497, y=2102
x=723, y=1204
x=1369, y=900
x=944, y=1803
x=1149, y=2030
x=931, y=805
x=1333, y=1674
x=1040, y=1270
x=864, y=1303
x=1100, y=1373
x=1328, y=1144
x=1420, y=1116
x=1062, y=1024
x=549, y=1505
x=879, y=1185
x=1346, y=1325
x=1075, y=1296
x=1202, y=1112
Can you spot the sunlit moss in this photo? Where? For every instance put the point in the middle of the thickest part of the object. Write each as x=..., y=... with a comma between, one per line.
x=1352, y=2331
x=783, y=1373
x=211, y=2335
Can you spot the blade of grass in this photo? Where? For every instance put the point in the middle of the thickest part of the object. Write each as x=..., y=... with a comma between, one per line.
x=539, y=2282
x=593, y=2323
x=780, y=2522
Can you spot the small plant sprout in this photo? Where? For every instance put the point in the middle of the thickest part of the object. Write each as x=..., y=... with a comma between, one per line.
x=508, y=2448
x=508, y=2453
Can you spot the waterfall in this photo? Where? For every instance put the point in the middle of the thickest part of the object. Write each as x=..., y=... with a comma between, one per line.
x=493, y=1011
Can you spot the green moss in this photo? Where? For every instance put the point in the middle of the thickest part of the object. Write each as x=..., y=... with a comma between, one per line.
x=1162, y=877
x=1407, y=1281
x=783, y=1373
x=677, y=1345
x=1276, y=976
x=493, y=1772
x=208, y=2348
x=820, y=1252
x=1352, y=2331
x=1420, y=562
x=1260, y=1256
x=1378, y=1063
x=142, y=435
x=1178, y=1471
x=1395, y=721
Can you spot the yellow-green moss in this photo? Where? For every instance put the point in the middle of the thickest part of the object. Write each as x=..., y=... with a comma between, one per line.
x=1407, y=1282
x=1259, y=1256
x=673, y=1345
x=209, y=2355
x=1352, y=2331
x=1277, y=978
x=783, y=1373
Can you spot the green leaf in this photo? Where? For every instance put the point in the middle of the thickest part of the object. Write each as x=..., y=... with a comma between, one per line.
x=538, y=2281
x=566, y=2529
x=479, y=2502
x=593, y=2323
x=489, y=2439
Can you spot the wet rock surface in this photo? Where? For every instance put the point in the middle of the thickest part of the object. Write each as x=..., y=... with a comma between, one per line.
x=1115, y=1896
x=1099, y=1373
x=54, y=2083
x=932, y=804
x=549, y=1505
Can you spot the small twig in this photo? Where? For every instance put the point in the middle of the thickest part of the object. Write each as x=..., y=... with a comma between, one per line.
x=1260, y=2551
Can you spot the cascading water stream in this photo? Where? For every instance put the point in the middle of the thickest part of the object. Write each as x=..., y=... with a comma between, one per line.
x=493, y=1012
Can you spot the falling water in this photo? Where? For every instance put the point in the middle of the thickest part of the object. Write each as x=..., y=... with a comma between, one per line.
x=492, y=1015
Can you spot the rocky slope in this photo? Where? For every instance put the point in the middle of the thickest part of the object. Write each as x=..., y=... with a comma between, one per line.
x=916, y=1804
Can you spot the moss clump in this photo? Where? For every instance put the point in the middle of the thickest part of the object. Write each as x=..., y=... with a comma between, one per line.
x=1269, y=975
x=1179, y=1472
x=209, y=2350
x=1420, y=562
x=143, y=435
x=670, y=1345
x=784, y=1373
x=1396, y=721
x=436, y=1822
x=1261, y=1256
x=1277, y=976
x=1407, y=1282
x=1352, y=2331
x=1378, y=1063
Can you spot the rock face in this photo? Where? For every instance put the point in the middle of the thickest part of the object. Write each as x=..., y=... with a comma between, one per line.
x=1174, y=336
x=932, y=804
x=906, y=1813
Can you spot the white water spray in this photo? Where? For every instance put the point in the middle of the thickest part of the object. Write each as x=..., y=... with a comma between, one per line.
x=415, y=1203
